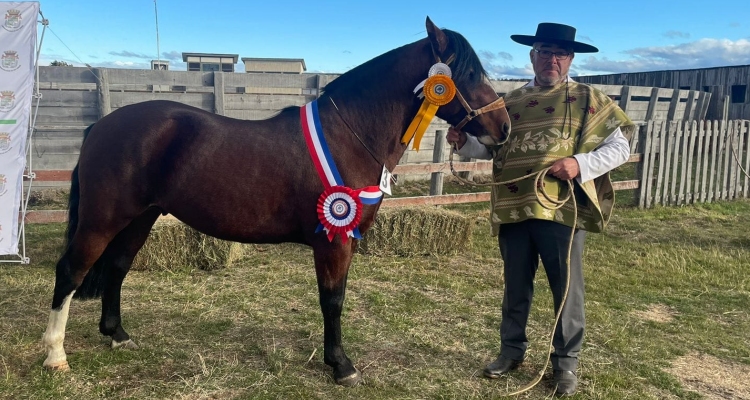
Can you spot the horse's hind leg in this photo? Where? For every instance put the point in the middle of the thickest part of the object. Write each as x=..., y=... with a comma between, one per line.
x=84, y=249
x=117, y=259
x=332, y=267
x=87, y=248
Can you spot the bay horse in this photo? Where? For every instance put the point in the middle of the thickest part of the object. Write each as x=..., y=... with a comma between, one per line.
x=257, y=179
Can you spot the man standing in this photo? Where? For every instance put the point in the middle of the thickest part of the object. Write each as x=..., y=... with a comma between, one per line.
x=577, y=131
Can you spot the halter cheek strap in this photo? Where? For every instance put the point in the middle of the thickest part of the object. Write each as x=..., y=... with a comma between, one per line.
x=470, y=112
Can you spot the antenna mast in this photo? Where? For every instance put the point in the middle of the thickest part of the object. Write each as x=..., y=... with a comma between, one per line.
x=158, y=51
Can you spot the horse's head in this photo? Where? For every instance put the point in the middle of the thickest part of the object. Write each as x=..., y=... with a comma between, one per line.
x=476, y=108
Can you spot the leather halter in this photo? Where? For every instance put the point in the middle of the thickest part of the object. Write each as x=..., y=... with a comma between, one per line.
x=470, y=112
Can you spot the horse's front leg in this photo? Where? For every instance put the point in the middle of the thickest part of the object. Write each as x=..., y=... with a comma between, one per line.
x=332, y=267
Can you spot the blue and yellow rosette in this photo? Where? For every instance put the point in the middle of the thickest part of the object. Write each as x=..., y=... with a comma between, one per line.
x=438, y=91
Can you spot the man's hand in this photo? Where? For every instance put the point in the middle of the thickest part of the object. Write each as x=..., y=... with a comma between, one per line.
x=456, y=136
x=565, y=168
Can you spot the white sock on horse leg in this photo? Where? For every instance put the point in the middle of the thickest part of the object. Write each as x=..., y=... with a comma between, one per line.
x=55, y=335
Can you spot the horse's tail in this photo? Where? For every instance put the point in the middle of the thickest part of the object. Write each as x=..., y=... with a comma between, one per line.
x=92, y=285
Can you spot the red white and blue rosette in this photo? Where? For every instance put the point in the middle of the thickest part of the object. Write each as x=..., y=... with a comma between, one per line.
x=339, y=207
x=339, y=211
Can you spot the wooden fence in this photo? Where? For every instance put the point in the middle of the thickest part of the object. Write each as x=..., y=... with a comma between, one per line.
x=678, y=162
x=694, y=162
x=75, y=97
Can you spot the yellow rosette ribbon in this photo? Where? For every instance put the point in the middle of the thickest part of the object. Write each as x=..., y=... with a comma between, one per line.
x=438, y=91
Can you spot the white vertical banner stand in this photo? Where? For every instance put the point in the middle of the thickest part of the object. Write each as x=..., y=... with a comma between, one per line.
x=18, y=65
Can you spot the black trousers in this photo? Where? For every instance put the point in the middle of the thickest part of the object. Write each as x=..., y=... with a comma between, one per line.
x=522, y=244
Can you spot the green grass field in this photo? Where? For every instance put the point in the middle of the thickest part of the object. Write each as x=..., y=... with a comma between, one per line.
x=668, y=316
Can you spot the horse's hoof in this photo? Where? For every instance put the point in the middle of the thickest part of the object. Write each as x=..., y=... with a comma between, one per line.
x=61, y=367
x=126, y=345
x=351, y=380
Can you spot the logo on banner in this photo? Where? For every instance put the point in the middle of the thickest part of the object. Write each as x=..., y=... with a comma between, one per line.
x=10, y=60
x=4, y=142
x=7, y=100
x=13, y=20
x=3, y=182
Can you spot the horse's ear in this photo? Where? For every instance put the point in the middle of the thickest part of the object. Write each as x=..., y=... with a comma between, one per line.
x=437, y=37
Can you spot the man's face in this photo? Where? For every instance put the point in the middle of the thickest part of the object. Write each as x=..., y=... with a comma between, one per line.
x=551, y=70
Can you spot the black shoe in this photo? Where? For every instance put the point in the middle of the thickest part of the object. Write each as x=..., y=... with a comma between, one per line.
x=502, y=365
x=566, y=382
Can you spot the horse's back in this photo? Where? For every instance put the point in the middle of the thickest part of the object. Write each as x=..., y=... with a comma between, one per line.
x=217, y=174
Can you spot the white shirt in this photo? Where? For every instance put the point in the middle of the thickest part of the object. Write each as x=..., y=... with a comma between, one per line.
x=610, y=154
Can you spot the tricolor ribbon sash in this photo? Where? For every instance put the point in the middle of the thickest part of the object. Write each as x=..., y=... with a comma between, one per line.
x=339, y=207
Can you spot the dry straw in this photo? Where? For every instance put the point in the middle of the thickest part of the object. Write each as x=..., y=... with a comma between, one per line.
x=173, y=246
x=411, y=231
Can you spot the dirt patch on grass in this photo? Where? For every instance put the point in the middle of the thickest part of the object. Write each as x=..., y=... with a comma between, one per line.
x=657, y=313
x=712, y=377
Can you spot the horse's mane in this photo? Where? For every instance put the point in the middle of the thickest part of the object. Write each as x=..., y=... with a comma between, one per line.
x=466, y=61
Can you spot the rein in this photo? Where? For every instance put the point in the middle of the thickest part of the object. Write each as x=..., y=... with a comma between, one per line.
x=354, y=132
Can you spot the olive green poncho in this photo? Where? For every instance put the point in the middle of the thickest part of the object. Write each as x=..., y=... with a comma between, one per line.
x=549, y=123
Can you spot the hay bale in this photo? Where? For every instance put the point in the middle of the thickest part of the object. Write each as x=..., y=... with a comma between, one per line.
x=173, y=246
x=412, y=231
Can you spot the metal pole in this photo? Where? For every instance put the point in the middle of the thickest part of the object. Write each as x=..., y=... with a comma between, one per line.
x=158, y=51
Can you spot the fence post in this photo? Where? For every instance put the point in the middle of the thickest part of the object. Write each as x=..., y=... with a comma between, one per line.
x=436, y=179
x=689, y=106
x=468, y=175
x=673, y=104
x=102, y=88
x=652, y=104
x=725, y=108
x=625, y=98
x=219, y=92
x=640, y=147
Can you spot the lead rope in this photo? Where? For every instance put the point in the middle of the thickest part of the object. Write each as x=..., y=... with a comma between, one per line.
x=556, y=204
x=736, y=158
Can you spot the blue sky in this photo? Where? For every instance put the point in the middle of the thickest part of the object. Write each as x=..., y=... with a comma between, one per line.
x=334, y=36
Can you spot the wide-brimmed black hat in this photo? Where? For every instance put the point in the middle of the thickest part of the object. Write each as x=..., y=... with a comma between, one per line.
x=560, y=34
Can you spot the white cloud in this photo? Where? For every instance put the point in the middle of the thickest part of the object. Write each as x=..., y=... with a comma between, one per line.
x=125, y=64
x=172, y=55
x=131, y=54
x=498, y=66
x=505, y=71
x=676, y=34
x=703, y=53
x=489, y=56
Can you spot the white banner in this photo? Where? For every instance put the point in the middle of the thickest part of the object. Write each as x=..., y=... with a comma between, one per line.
x=17, y=50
